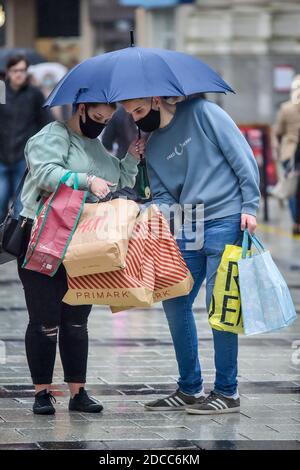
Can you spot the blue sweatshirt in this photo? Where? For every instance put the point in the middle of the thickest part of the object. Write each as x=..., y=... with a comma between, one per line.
x=201, y=157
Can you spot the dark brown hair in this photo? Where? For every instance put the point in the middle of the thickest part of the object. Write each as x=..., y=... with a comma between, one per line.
x=91, y=105
x=15, y=59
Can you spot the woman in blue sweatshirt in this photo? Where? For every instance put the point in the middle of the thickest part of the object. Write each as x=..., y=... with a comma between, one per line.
x=197, y=158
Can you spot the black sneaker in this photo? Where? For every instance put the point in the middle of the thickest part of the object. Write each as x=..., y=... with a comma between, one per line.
x=176, y=401
x=43, y=403
x=215, y=403
x=82, y=402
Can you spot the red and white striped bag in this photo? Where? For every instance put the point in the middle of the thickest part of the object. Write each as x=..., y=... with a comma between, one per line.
x=172, y=277
x=155, y=270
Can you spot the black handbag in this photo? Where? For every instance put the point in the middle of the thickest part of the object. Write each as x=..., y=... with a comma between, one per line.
x=125, y=193
x=12, y=230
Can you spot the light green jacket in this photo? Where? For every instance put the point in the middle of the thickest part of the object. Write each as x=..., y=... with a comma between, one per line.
x=55, y=150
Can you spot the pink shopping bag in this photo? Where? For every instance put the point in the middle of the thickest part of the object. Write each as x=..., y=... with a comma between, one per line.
x=53, y=228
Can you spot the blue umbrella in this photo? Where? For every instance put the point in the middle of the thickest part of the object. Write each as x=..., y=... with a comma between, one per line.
x=136, y=72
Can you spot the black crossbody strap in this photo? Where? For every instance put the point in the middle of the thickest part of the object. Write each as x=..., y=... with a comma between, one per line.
x=18, y=190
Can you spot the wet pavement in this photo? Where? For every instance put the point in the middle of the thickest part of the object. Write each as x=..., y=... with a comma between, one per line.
x=131, y=361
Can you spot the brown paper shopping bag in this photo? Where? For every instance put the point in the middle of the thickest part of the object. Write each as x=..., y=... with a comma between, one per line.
x=100, y=242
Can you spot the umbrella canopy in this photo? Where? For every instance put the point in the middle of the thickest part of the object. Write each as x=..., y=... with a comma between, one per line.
x=136, y=72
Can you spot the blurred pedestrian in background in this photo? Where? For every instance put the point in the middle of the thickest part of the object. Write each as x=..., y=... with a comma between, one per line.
x=46, y=76
x=287, y=128
x=20, y=118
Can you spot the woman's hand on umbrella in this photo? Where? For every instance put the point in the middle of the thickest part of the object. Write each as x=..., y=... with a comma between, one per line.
x=100, y=187
x=137, y=148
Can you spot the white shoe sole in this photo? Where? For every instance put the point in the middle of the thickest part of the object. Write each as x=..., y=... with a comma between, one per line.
x=193, y=411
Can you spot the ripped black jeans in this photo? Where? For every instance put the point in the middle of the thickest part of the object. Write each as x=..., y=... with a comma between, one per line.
x=50, y=318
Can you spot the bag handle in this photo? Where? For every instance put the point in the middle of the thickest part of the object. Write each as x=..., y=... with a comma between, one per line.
x=62, y=180
x=67, y=175
x=256, y=242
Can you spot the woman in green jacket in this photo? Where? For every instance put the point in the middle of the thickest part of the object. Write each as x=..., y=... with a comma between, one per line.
x=58, y=148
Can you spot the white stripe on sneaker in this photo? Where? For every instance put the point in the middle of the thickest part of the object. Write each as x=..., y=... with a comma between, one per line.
x=174, y=402
x=218, y=405
x=168, y=401
x=221, y=401
x=213, y=406
x=180, y=401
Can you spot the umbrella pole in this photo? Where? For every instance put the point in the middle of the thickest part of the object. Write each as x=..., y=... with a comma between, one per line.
x=142, y=162
x=139, y=135
x=131, y=38
x=132, y=45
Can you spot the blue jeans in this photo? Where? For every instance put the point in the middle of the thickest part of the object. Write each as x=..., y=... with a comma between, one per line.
x=10, y=176
x=203, y=263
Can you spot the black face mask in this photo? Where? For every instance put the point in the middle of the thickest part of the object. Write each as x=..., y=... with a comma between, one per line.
x=90, y=128
x=150, y=122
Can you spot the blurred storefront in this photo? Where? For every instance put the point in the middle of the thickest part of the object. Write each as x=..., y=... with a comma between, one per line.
x=19, y=23
x=112, y=23
x=58, y=30
x=161, y=23
x=2, y=23
x=65, y=31
x=253, y=44
x=53, y=28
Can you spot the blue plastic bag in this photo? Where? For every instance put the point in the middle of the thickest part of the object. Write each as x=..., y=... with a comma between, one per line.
x=266, y=301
